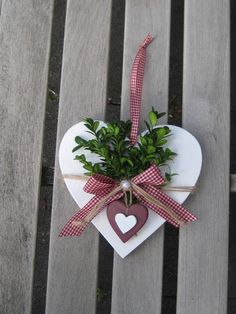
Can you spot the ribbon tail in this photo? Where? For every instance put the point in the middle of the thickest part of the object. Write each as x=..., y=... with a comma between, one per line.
x=164, y=206
x=158, y=210
x=76, y=225
x=182, y=212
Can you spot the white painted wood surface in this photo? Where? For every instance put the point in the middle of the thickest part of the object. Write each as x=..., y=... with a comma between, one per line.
x=203, y=246
x=137, y=279
x=25, y=28
x=73, y=265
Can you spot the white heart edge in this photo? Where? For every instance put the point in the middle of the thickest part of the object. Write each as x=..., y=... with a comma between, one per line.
x=154, y=221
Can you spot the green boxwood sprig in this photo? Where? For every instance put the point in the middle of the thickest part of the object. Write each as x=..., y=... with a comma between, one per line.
x=118, y=158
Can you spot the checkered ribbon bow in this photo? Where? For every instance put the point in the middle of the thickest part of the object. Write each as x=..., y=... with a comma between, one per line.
x=146, y=186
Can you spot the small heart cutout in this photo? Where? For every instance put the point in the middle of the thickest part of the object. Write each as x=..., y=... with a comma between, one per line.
x=126, y=222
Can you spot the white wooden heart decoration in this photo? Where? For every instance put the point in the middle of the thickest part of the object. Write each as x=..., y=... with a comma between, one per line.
x=125, y=223
x=187, y=164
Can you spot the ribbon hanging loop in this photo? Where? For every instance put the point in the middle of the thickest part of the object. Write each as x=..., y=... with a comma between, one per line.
x=136, y=86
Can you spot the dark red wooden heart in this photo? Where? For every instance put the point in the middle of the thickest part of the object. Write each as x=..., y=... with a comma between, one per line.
x=137, y=210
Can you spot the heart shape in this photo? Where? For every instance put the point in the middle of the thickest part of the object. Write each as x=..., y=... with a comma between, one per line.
x=136, y=211
x=125, y=223
x=187, y=164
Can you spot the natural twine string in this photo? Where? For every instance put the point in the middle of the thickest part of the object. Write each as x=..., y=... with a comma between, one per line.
x=156, y=202
x=95, y=210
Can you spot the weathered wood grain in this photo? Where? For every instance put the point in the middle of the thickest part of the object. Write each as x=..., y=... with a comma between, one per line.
x=137, y=279
x=72, y=274
x=203, y=245
x=25, y=28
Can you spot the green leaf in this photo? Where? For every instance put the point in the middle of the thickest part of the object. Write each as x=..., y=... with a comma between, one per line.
x=90, y=127
x=78, y=140
x=91, y=132
x=153, y=118
x=148, y=126
x=130, y=162
x=151, y=149
x=89, y=121
x=143, y=140
x=160, y=115
x=103, y=151
x=161, y=142
x=161, y=132
x=116, y=130
x=96, y=125
x=168, y=176
x=88, y=173
x=150, y=157
x=76, y=148
x=150, y=141
x=88, y=166
x=80, y=158
x=123, y=160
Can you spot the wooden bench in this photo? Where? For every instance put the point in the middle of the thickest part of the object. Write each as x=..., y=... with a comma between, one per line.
x=73, y=262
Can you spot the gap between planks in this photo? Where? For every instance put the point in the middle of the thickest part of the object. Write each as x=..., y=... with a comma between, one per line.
x=233, y=182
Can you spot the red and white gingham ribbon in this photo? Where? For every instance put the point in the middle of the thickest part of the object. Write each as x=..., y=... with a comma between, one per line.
x=150, y=181
x=136, y=85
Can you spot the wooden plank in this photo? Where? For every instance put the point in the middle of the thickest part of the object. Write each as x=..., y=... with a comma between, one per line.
x=203, y=246
x=72, y=274
x=25, y=28
x=137, y=280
